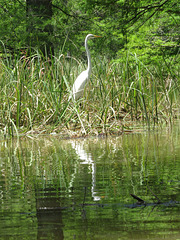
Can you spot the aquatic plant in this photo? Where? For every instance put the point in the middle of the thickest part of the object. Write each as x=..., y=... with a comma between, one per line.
x=35, y=90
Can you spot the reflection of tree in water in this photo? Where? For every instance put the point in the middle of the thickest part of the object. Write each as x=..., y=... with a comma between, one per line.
x=86, y=158
x=49, y=202
x=49, y=216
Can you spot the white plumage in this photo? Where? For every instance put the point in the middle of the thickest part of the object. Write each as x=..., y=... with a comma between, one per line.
x=83, y=78
x=79, y=84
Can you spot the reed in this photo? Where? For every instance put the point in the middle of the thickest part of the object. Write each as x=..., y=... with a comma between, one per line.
x=34, y=94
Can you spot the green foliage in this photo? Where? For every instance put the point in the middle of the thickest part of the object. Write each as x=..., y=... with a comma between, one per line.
x=136, y=63
x=13, y=22
x=34, y=94
x=149, y=28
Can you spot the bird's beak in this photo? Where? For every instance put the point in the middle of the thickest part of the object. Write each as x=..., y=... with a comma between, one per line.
x=96, y=36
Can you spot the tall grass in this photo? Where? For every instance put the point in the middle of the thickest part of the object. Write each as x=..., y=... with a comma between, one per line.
x=34, y=94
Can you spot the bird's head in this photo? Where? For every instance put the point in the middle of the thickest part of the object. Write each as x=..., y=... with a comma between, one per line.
x=91, y=36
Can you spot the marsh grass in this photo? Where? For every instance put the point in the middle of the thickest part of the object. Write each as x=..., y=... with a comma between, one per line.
x=34, y=93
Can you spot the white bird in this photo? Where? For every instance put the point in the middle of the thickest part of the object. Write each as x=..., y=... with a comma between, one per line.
x=82, y=79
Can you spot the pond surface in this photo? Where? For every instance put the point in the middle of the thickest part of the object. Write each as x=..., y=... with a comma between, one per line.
x=89, y=188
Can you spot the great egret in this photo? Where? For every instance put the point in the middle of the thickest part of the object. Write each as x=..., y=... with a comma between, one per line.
x=82, y=79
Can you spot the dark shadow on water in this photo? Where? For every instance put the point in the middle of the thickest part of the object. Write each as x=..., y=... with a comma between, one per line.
x=49, y=215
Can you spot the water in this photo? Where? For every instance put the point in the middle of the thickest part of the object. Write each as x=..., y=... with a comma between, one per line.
x=81, y=189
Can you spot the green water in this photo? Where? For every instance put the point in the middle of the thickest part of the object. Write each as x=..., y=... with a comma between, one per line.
x=81, y=189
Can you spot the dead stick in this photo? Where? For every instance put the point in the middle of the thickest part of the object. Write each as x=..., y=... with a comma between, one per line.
x=159, y=201
x=140, y=201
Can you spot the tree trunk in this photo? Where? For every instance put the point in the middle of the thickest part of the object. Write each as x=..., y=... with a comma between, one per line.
x=39, y=28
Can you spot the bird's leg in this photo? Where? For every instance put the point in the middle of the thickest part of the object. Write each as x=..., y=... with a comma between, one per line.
x=82, y=126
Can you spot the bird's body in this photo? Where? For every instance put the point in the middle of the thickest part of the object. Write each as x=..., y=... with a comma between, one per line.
x=78, y=86
x=83, y=78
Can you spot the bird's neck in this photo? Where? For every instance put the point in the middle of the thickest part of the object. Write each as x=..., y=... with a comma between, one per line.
x=88, y=57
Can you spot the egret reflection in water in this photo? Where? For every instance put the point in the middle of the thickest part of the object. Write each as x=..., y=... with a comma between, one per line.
x=86, y=158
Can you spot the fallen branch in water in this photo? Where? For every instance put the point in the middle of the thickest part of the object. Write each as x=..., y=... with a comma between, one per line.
x=140, y=201
x=158, y=200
